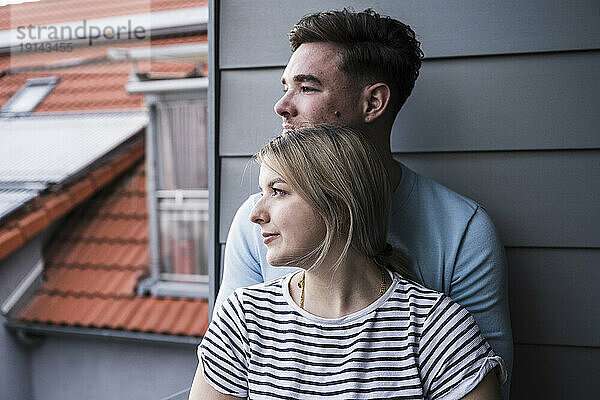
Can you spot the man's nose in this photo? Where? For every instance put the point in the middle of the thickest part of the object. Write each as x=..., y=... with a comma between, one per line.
x=285, y=106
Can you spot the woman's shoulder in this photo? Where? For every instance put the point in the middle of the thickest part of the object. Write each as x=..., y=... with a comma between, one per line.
x=413, y=292
x=270, y=292
x=429, y=302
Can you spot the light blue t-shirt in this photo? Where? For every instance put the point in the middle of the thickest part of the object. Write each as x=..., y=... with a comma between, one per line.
x=450, y=240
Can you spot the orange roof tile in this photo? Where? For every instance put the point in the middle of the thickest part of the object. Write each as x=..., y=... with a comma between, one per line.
x=93, y=265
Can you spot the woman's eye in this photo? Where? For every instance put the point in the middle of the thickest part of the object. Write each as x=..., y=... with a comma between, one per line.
x=278, y=192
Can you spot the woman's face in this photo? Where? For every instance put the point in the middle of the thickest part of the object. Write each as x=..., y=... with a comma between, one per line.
x=290, y=227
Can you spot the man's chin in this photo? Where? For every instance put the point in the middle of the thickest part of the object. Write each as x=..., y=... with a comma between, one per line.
x=288, y=126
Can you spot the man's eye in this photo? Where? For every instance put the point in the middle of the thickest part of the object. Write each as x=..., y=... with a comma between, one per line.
x=307, y=89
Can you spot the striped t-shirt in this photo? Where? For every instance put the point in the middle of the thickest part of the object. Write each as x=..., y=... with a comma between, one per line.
x=411, y=343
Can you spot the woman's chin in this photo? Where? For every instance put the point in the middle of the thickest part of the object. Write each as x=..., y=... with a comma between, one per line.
x=279, y=261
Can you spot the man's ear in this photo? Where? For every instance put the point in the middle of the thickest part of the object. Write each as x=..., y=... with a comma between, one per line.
x=376, y=99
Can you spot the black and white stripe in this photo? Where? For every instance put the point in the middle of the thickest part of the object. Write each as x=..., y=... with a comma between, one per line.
x=412, y=343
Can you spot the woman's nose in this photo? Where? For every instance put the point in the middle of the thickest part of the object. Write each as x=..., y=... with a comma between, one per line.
x=258, y=215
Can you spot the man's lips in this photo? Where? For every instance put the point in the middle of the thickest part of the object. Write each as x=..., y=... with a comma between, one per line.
x=269, y=237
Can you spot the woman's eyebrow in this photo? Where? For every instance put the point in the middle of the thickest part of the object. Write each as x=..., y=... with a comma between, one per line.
x=276, y=180
x=273, y=181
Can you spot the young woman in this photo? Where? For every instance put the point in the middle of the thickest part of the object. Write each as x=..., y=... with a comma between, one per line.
x=350, y=324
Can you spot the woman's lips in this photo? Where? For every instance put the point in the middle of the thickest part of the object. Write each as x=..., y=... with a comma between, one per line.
x=269, y=237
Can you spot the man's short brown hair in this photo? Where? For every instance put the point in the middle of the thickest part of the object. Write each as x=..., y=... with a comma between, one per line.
x=374, y=48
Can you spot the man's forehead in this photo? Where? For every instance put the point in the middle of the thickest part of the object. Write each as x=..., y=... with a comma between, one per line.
x=312, y=61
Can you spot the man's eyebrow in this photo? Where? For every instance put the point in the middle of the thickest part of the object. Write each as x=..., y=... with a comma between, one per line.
x=307, y=78
x=304, y=78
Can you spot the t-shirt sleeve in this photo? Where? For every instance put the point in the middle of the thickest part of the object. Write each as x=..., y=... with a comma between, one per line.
x=223, y=352
x=480, y=284
x=241, y=265
x=453, y=355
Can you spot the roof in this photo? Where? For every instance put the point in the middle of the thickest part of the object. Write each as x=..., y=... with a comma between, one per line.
x=34, y=159
x=25, y=223
x=96, y=257
x=51, y=11
x=94, y=262
x=61, y=149
x=89, y=80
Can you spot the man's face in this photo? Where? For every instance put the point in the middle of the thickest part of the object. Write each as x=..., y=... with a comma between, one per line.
x=316, y=91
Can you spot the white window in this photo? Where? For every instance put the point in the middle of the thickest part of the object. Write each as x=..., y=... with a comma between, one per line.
x=182, y=189
x=177, y=176
x=183, y=225
x=29, y=96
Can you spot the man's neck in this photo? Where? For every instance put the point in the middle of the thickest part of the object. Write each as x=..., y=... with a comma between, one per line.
x=379, y=134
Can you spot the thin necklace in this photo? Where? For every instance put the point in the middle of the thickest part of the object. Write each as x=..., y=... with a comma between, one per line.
x=302, y=285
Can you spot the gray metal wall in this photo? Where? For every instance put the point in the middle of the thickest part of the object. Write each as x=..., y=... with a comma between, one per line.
x=15, y=372
x=506, y=111
x=71, y=368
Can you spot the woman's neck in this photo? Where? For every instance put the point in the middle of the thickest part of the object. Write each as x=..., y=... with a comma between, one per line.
x=354, y=285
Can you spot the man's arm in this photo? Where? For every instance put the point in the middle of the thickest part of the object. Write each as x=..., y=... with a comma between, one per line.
x=241, y=266
x=488, y=389
x=480, y=284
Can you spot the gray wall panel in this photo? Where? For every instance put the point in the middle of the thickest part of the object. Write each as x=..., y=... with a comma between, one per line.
x=518, y=189
x=239, y=179
x=255, y=36
x=527, y=102
x=247, y=116
x=555, y=373
x=546, y=199
x=70, y=368
x=15, y=357
x=554, y=296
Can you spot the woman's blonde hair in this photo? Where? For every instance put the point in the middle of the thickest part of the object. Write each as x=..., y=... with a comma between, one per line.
x=339, y=173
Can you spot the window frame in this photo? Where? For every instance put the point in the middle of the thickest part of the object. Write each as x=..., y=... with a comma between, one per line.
x=48, y=82
x=156, y=284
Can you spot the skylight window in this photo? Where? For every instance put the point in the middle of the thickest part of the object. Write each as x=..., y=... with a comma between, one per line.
x=29, y=96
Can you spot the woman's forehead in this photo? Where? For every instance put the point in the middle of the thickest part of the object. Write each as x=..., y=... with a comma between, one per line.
x=268, y=176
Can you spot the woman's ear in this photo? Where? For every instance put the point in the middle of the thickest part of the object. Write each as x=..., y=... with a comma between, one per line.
x=376, y=99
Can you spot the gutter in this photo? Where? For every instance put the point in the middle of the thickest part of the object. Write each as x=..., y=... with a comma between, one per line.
x=135, y=26
x=26, y=329
x=167, y=85
x=197, y=52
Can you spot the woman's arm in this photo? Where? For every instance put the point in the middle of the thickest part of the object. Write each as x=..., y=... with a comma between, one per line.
x=201, y=390
x=487, y=389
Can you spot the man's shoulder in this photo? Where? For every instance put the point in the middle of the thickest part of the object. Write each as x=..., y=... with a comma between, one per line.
x=431, y=191
x=241, y=226
x=249, y=203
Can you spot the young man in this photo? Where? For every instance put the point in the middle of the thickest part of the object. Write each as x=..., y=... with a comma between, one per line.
x=358, y=69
